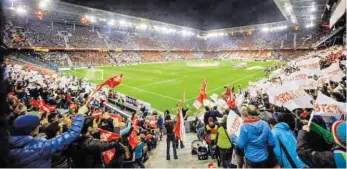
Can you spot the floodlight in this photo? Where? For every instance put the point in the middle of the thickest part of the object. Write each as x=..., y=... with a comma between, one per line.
x=111, y=22
x=143, y=26
x=20, y=10
x=265, y=29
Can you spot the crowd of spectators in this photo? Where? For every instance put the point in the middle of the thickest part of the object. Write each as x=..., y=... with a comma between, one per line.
x=54, y=34
x=274, y=136
x=54, y=123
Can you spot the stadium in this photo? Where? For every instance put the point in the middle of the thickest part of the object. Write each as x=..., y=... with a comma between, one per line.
x=226, y=82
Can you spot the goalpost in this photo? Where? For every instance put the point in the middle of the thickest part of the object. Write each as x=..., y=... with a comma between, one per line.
x=94, y=74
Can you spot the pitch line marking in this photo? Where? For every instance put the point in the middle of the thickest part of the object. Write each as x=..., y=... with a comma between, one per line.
x=225, y=85
x=139, y=89
x=160, y=82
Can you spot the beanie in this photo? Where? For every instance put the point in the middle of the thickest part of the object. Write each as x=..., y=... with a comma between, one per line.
x=24, y=125
x=339, y=133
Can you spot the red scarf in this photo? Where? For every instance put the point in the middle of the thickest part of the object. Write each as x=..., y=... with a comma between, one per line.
x=251, y=120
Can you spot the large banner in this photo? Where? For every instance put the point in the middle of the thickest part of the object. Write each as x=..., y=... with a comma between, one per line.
x=234, y=123
x=309, y=65
x=327, y=106
x=290, y=96
x=302, y=79
x=333, y=72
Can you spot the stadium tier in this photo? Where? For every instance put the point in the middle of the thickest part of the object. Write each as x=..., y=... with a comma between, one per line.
x=173, y=84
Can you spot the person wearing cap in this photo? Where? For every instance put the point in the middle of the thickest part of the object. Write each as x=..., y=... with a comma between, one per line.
x=335, y=158
x=255, y=138
x=30, y=152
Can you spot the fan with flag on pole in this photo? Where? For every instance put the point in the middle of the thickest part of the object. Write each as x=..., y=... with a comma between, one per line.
x=202, y=95
x=179, y=129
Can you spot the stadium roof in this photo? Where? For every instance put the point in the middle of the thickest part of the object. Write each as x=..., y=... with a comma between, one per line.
x=198, y=14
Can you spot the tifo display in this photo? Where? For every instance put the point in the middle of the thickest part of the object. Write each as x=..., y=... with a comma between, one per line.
x=173, y=84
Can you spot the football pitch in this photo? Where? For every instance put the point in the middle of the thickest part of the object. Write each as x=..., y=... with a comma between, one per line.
x=162, y=85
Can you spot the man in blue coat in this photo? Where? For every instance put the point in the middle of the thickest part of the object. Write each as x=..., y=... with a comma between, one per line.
x=255, y=137
x=285, y=142
x=29, y=152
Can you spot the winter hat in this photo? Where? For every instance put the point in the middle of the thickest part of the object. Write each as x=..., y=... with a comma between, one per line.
x=339, y=133
x=24, y=125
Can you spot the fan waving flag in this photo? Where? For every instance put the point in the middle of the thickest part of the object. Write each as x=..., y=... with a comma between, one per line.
x=230, y=98
x=114, y=81
x=108, y=155
x=202, y=95
x=111, y=82
x=179, y=128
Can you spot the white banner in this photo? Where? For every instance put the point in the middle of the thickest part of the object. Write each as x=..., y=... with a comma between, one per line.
x=327, y=106
x=290, y=96
x=333, y=69
x=309, y=65
x=234, y=123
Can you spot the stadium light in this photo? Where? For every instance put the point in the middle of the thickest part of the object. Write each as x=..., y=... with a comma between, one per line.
x=111, y=22
x=265, y=29
x=142, y=26
x=92, y=19
x=124, y=23
x=20, y=10
x=43, y=4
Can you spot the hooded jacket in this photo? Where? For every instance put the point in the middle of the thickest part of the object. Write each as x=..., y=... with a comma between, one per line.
x=254, y=138
x=282, y=133
x=29, y=152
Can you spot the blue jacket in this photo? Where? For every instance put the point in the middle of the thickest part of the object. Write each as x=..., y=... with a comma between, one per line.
x=254, y=139
x=282, y=132
x=29, y=152
x=139, y=150
x=160, y=122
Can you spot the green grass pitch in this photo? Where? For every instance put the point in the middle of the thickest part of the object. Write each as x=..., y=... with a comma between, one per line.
x=162, y=85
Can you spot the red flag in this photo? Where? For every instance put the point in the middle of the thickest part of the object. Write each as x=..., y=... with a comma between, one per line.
x=35, y=103
x=202, y=95
x=179, y=128
x=135, y=123
x=111, y=82
x=114, y=81
x=116, y=117
x=134, y=140
x=108, y=136
x=46, y=108
x=230, y=98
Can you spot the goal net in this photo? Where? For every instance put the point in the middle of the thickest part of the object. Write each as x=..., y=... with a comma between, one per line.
x=94, y=74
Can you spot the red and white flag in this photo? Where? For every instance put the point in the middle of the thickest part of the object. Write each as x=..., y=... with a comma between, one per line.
x=108, y=136
x=179, y=129
x=111, y=82
x=133, y=140
x=327, y=106
x=44, y=107
x=230, y=99
x=202, y=95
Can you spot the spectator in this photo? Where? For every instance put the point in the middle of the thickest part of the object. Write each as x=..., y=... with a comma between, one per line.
x=39, y=151
x=255, y=138
x=285, y=146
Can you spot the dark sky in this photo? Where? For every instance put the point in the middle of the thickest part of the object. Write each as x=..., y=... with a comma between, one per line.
x=200, y=14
